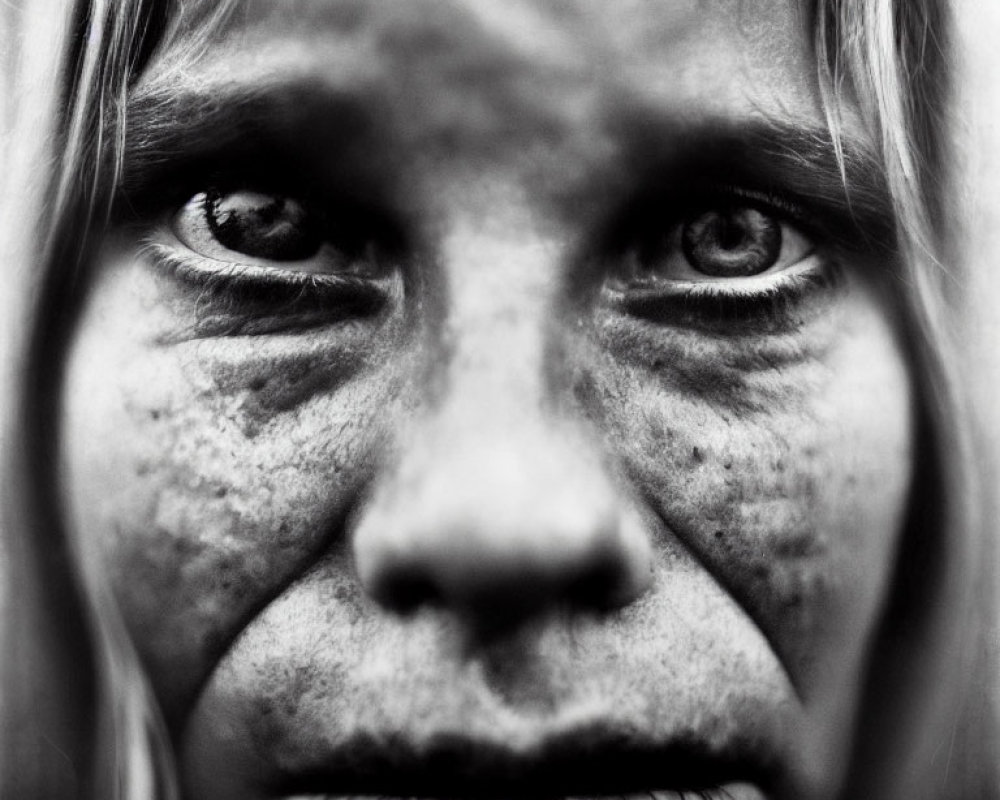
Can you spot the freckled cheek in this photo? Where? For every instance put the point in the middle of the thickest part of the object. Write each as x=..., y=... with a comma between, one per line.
x=788, y=485
x=208, y=474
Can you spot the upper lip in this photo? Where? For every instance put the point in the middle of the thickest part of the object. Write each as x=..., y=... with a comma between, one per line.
x=587, y=762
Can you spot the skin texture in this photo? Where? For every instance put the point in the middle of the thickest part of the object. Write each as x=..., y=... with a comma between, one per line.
x=495, y=530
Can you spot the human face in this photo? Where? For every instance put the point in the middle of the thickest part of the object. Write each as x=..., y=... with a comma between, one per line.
x=494, y=399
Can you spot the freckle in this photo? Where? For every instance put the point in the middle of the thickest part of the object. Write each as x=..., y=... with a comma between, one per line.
x=697, y=456
x=728, y=463
x=719, y=534
x=154, y=413
x=250, y=428
x=657, y=431
x=221, y=491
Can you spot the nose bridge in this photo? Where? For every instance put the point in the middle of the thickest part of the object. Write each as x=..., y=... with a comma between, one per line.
x=494, y=464
x=498, y=508
x=493, y=410
x=502, y=280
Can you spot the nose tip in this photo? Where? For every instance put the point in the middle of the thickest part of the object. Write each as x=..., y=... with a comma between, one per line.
x=495, y=586
x=500, y=534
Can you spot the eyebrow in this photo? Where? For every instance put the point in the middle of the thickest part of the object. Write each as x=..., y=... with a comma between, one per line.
x=162, y=121
x=172, y=138
x=841, y=185
x=290, y=125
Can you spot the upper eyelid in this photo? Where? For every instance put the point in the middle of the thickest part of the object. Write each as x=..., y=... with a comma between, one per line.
x=359, y=222
x=663, y=203
x=269, y=131
x=778, y=205
x=268, y=171
x=790, y=168
x=657, y=213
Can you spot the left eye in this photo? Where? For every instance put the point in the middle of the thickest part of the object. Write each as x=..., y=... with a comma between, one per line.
x=262, y=229
x=717, y=245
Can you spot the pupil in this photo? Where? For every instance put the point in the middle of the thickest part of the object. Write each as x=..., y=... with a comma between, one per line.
x=262, y=225
x=732, y=243
x=731, y=234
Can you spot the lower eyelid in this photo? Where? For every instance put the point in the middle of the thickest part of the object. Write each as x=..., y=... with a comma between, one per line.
x=250, y=289
x=193, y=267
x=765, y=283
x=782, y=302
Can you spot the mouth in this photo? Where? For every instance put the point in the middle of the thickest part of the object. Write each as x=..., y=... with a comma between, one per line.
x=578, y=767
x=730, y=792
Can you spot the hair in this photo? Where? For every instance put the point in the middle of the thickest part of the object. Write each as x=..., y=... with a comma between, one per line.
x=930, y=723
x=78, y=717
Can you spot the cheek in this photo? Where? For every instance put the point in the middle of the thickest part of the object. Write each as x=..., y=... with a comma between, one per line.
x=782, y=465
x=216, y=476
x=207, y=473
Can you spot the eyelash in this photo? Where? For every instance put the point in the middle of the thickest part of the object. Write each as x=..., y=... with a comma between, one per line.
x=240, y=284
x=769, y=310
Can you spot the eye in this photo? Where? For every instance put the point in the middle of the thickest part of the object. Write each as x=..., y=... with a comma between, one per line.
x=262, y=229
x=732, y=243
x=262, y=225
x=728, y=245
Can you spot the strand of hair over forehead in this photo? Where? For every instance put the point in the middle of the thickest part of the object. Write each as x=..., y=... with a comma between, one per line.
x=108, y=36
x=113, y=38
x=104, y=43
x=891, y=54
x=887, y=55
x=879, y=50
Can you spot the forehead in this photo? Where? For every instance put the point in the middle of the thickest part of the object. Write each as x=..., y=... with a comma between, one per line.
x=717, y=57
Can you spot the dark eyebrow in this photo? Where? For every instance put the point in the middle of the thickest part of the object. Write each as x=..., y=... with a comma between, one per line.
x=806, y=159
x=177, y=137
x=844, y=189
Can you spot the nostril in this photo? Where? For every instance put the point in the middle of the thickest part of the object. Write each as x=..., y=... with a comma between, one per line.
x=403, y=589
x=495, y=611
x=495, y=542
x=601, y=586
x=493, y=588
x=495, y=595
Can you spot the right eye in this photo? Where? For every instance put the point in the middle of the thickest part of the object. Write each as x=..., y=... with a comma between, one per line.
x=256, y=228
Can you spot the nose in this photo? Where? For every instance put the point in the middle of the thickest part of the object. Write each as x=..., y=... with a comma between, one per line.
x=499, y=506
x=497, y=529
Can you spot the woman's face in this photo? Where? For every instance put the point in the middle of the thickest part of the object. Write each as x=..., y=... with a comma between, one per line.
x=481, y=399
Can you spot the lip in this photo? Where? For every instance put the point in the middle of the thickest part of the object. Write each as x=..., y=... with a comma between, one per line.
x=585, y=765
